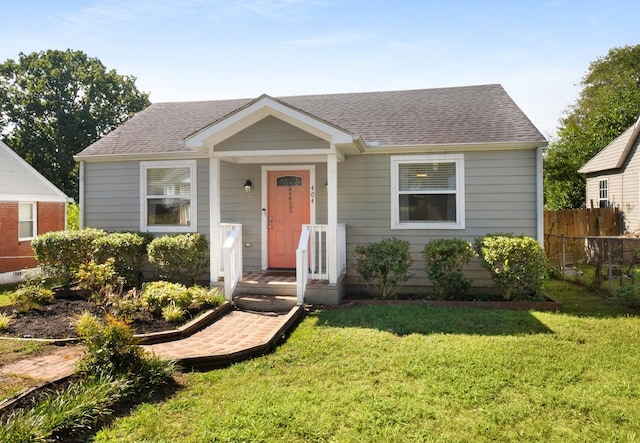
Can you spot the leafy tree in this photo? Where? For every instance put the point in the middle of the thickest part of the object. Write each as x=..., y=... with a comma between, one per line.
x=608, y=104
x=53, y=104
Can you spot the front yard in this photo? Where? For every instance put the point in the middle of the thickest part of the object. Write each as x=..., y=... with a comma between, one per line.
x=419, y=374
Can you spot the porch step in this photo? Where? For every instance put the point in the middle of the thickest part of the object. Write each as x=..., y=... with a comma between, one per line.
x=264, y=303
x=265, y=288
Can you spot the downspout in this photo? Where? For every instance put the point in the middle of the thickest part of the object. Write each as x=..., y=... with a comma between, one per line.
x=81, y=195
x=539, y=196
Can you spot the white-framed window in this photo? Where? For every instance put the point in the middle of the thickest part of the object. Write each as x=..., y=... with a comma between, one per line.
x=427, y=191
x=27, y=220
x=168, y=196
x=603, y=193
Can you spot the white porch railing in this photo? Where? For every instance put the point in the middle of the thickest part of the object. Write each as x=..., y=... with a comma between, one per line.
x=225, y=230
x=302, y=265
x=312, y=260
x=232, y=261
x=319, y=260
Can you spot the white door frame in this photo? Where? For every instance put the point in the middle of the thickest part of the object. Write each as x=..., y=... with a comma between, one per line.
x=265, y=200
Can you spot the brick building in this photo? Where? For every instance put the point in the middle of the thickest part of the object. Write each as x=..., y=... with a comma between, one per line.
x=29, y=205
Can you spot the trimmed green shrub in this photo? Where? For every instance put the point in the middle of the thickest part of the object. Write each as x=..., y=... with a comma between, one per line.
x=158, y=294
x=384, y=264
x=444, y=260
x=129, y=250
x=60, y=253
x=517, y=264
x=628, y=296
x=179, y=258
x=31, y=294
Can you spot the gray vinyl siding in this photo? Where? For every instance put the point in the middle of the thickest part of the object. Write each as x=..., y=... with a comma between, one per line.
x=112, y=196
x=271, y=133
x=500, y=196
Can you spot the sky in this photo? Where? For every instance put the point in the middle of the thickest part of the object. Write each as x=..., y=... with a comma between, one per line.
x=183, y=50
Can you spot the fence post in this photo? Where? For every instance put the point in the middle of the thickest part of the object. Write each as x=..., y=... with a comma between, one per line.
x=563, y=260
x=610, y=260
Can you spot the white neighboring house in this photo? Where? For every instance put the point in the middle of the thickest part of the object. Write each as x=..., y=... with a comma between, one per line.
x=613, y=178
x=29, y=205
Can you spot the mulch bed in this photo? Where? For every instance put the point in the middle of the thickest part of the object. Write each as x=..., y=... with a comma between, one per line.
x=56, y=319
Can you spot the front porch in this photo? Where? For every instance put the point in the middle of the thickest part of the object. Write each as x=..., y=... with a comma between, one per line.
x=310, y=282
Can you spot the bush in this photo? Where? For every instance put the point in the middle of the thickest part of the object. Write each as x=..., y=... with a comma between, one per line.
x=126, y=307
x=158, y=294
x=203, y=298
x=179, y=258
x=73, y=217
x=444, y=259
x=61, y=253
x=128, y=249
x=31, y=295
x=517, y=264
x=98, y=280
x=385, y=264
x=628, y=296
x=110, y=347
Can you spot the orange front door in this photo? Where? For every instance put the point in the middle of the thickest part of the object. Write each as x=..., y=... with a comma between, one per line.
x=288, y=210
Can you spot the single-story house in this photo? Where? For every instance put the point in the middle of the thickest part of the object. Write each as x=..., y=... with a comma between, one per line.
x=29, y=205
x=299, y=182
x=613, y=177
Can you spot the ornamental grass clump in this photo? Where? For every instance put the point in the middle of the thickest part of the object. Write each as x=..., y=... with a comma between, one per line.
x=5, y=321
x=444, y=260
x=517, y=264
x=384, y=264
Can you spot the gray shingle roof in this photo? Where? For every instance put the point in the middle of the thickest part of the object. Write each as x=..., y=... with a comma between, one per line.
x=470, y=114
x=615, y=153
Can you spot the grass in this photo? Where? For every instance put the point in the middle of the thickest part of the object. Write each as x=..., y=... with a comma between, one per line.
x=397, y=374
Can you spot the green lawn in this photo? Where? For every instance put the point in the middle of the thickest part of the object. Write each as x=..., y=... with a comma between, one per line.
x=399, y=374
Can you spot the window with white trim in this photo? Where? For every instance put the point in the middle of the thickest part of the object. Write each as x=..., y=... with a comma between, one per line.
x=27, y=220
x=168, y=196
x=603, y=193
x=427, y=191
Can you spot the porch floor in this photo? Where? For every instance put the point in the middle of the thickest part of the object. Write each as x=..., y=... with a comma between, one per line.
x=275, y=277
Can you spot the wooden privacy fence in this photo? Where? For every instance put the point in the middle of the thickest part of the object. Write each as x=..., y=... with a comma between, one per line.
x=578, y=223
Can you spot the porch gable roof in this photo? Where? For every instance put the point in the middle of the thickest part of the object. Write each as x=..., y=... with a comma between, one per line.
x=260, y=108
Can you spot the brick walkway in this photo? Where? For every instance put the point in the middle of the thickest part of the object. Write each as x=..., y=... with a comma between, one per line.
x=236, y=336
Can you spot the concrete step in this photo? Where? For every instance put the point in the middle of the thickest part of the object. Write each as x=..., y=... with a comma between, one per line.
x=264, y=303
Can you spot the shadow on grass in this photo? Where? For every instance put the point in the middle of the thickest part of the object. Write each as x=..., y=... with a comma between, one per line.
x=405, y=320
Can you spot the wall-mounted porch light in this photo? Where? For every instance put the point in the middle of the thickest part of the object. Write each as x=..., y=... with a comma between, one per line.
x=247, y=186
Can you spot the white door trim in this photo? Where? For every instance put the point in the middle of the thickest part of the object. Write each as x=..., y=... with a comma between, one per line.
x=265, y=200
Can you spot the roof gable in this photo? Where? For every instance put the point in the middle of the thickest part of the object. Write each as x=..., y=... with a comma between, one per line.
x=614, y=155
x=263, y=107
x=25, y=183
x=483, y=114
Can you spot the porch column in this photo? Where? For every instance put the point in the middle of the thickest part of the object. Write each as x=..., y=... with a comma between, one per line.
x=214, y=220
x=332, y=217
